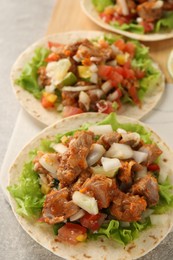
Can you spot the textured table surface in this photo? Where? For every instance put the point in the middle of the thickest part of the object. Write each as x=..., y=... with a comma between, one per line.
x=21, y=23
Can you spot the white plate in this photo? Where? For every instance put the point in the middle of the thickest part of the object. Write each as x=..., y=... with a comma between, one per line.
x=91, y=12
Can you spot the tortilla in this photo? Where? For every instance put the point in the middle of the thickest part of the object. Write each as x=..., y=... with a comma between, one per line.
x=91, y=12
x=102, y=248
x=47, y=117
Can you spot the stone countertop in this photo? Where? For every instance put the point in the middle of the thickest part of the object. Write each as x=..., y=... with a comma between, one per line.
x=22, y=23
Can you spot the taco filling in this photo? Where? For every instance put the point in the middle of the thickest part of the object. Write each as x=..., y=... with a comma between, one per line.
x=99, y=75
x=100, y=180
x=137, y=16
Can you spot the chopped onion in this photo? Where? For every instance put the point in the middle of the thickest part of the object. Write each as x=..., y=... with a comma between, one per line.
x=115, y=49
x=121, y=131
x=140, y=156
x=93, y=68
x=142, y=173
x=49, y=162
x=124, y=7
x=78, y=88
x=110, y=164
x=50, y=89
x=113, y=96
x=159, y=220
x=96, y=92
x=98, y=170
x=131, y=137
x=147, y=213
x=95, y=59
x=59, y=148
x=76, y=58
x=94, y=77
x=95, y=154
x=106, y=86
x=158, y=4
x=139, y=20
x=101, y=129
x=78, y=215
x=85, y=202
x=120, y=151
x=84, y=99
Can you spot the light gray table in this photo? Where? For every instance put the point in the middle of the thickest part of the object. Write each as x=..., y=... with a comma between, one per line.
x=22, y=23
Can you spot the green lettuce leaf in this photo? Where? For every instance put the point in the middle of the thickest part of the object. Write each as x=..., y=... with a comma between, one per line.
x=100, y=5
x=165, y=23
x=28, y=78
x=113, y=230
x=112, y=120
x=166, y=197
x=27, y=193
x=131, y=27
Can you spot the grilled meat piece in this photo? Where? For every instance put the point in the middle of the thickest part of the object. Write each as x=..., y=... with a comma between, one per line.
x=108, y=139
x=153, y=152
x=101, y=188
x=127, y=207
x=150, y=11
x=70, y=98
x=88, y=50
x=147, y=187
x=125, y=173
x=43, y=79
x=73, y=162
x=58, y=207
x=168, y=5
x=80, y=181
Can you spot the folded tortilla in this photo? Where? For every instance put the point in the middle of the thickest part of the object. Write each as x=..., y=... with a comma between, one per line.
x=102, y=248
x=47, y=117
x=92, y=13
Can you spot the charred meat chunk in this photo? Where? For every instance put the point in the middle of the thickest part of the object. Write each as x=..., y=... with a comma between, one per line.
x=150, y=11
x=101, y=188
x=58, y=207
x=153, y=152
x=147, y=187
x=127, y=207
x=108, y=139
x=43, y=79
x=73, y=162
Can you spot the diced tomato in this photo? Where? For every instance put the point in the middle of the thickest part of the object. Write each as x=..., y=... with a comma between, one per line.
x=92, y=222
x=148, y=26
x=129, y=73
x=107, y=18
x=52, y=57
x=105, y=107
x=120, y=44
x=70, y=111
x=133, y=94
x=139, y=74
x=104, y=71
x=153, y=167
x=72, y=233
x=46, y=103
x=110, y=73
x=54, y=44
x=130, y=48
x=115, y=78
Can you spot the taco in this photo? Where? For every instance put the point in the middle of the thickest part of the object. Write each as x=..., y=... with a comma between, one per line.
x=141, y=20
x=77, y=72
x=97, y=190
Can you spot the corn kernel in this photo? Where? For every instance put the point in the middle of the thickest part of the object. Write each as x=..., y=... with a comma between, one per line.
x=81, y=238
x=121, y=59
x=52, y=98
